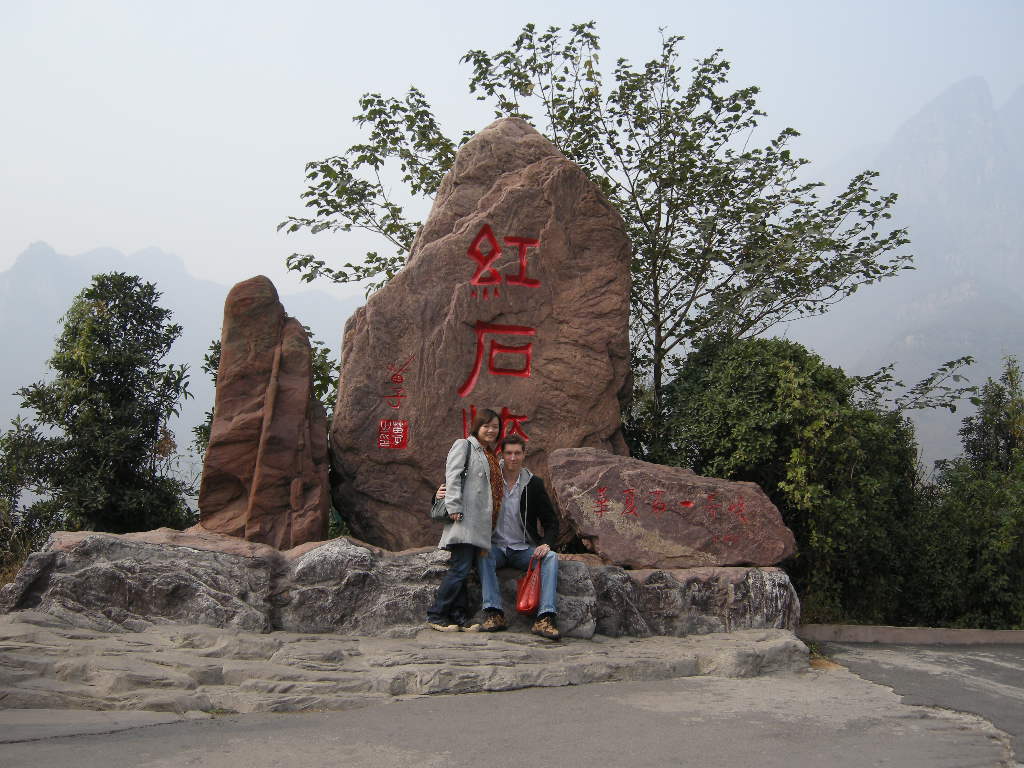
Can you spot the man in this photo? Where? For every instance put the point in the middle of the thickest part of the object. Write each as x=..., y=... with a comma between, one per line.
x=516, y=539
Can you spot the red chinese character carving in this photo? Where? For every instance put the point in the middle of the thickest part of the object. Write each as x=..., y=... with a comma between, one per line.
x=602, y=502
x=393, y=434
x=522, y=243
x=484, y=260
x=394, y=397
x=630, y=508
x=686, y=504
x=712, y=508
x=658, y=505
x=738, y=508
x=526, y=350
x=512, y=424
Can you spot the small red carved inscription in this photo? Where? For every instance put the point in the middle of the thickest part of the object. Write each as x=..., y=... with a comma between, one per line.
x=393, y=434
x=658, y=505
x=630, y=496
x=739, y=508
x=397, y=393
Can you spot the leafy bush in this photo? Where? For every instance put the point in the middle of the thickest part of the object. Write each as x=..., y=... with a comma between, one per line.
x=842, y=474
x=966, y=548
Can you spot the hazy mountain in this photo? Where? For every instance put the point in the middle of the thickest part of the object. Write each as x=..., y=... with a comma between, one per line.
x=957, y=167
x=38, y=289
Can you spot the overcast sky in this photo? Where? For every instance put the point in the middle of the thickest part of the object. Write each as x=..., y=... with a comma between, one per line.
x=186, y=125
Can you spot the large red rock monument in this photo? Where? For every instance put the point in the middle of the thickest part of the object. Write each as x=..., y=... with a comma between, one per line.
x=265, y=475
x=642, y=515
x=515, y=297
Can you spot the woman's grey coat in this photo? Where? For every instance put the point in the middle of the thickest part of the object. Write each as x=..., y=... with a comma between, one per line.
x=473, y=500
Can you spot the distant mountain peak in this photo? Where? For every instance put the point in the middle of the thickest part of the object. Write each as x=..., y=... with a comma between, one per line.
x=971, y=92
x=37, y=250
x=41, y=255
x=964, y=103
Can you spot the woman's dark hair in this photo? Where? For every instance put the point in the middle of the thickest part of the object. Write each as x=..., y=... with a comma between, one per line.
x=486, y=416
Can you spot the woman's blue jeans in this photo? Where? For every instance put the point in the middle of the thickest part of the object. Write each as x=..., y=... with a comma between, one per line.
x=500, y=557
x=447, y=597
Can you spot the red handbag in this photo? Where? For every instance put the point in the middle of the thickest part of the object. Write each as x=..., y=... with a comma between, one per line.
x=528, y=588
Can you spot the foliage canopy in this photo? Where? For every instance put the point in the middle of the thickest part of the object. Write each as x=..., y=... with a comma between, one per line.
x=98, y=453
x=843, y=475
x=729, y=240
x=968, y=556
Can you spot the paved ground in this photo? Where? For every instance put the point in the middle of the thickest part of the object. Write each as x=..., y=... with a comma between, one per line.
x=786, y=720
x=193, y=668
x=717, y=700
x=985, y=680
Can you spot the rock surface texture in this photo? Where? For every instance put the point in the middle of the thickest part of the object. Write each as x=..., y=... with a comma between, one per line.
x=106, y=582
x=515, y=298
x=265, y=475
x=642, y=515
x=196, y=668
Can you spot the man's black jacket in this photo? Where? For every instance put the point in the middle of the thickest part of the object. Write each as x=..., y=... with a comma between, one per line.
x=534, y=507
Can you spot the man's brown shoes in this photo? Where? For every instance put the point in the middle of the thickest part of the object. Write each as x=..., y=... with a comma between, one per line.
x=545, y=627
x=494, y=622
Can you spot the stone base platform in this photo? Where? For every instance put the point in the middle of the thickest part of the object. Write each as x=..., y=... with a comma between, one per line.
x=192, y=669
x=109, y=583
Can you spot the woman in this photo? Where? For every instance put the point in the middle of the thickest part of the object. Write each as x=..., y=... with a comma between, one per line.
x=471, y=506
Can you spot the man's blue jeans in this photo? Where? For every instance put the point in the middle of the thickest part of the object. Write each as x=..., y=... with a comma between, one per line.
x=500, y=557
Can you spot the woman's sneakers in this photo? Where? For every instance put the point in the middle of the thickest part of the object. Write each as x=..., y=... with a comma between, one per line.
x=441, y=625
x=447, y=625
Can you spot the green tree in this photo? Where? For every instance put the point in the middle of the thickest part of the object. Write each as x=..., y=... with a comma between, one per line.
x=98, y=453
x=21, y=530
x=843, y=474
x=729, y=240
x=993, y=438
x=968, y=543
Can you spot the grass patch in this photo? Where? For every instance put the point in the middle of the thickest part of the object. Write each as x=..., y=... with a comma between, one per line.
x=818, y=659
x=10, y=569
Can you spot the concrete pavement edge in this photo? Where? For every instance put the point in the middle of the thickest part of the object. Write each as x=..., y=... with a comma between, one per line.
x=864, y=633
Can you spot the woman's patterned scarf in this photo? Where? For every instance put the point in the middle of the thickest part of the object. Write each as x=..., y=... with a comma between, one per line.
x=497, y=485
